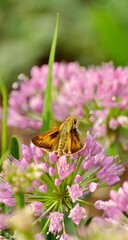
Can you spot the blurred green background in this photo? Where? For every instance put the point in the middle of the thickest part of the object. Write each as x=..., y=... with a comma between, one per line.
x=90, y=31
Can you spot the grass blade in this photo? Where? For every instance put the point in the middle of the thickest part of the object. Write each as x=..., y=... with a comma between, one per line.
x=4, y=121
x=47, y=97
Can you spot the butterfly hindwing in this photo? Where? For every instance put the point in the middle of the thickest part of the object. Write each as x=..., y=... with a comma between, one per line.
x=77, y=141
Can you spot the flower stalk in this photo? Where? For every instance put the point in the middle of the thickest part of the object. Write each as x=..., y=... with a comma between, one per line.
x=4, y=121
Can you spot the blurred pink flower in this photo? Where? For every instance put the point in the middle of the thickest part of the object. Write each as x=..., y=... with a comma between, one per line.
x=113, y=124
x=117, y=206
x=75, y=89
x=93, y=186
x=4, y=223
x=39, y=237
x=37, y=208
x=65, y=236
x=6, y=194
x=98, y=91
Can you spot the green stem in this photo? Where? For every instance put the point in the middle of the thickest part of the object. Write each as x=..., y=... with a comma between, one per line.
x=4, y=122
x=85, y=202
x=43, y=231
x=47, y=97
x=20, y=199
x=63, y=221
x=38, y=219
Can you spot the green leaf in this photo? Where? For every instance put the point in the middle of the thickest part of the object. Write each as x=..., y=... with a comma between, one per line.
x=114, y=113
x=47, y=97
x=116, y=187
x=4, y=122
x=88, y=221
x=51, y=237
x=14, y=147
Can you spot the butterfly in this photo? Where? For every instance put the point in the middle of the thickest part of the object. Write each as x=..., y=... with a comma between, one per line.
x=64, y=139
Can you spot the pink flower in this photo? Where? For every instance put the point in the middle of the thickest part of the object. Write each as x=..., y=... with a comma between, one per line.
x=92, y=147
x=27, y=156
x=57, y=182
x=75, y=191
x=99, y=130
x=110, y=174
x=65, y=236
x=39, y=237
x=51, y=187
x=43, y=188
x=110, y=208
x=113, y=124
x=27, y=153
x=53, y=157
x=52, y=171
x=37, y=153
x=100, y=90
x=36, y=104
x=4, y=221
x=93, y=92
x=36, y=183
x=6, y=195
x=37, y=208
x=45, y=167
x=77, y=213
x=93, y=186
x=55, y=222
x=117, y=205
x=78, y=178
x=64, y=169
x=120, y=197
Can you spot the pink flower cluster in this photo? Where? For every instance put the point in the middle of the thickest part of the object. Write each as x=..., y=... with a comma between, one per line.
x=62, y=182
x=101, y=91
x=55, y=185
x=6, y=194
x=116, y=208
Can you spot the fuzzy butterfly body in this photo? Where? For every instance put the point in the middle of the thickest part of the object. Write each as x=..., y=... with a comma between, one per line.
x=63, y=139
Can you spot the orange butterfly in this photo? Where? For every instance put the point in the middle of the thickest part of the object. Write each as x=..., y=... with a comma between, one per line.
x=63, y=139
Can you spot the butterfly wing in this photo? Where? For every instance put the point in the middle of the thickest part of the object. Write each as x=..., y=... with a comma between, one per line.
x=77, y=141
x=74, y=143
x=49, y=140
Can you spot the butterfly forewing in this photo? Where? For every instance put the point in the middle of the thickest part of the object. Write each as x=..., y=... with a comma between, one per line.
x=48, y=141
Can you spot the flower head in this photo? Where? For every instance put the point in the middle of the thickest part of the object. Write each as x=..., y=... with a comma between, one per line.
x=56, y=185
